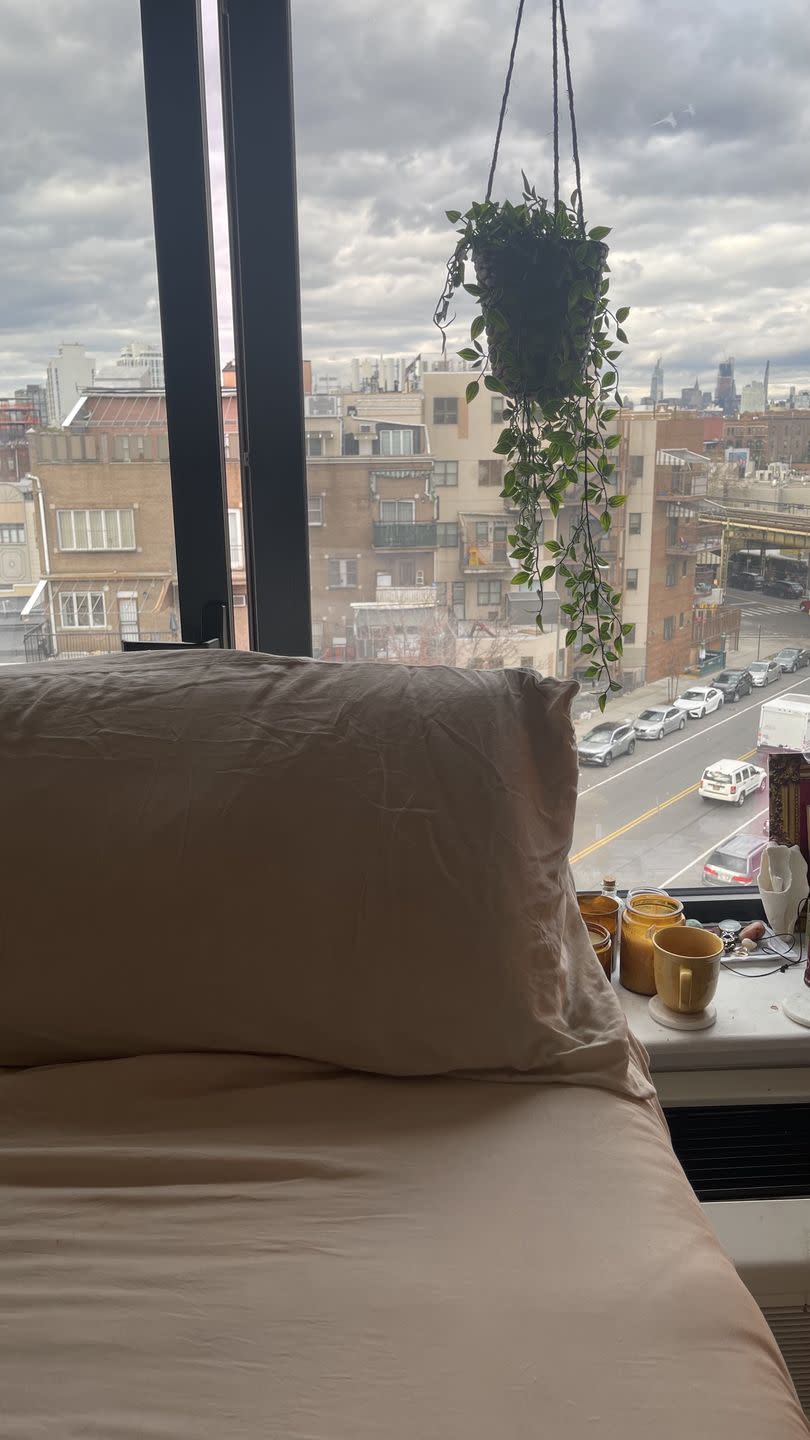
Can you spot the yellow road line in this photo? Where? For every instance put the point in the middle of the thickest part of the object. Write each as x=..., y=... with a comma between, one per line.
x=639, y=820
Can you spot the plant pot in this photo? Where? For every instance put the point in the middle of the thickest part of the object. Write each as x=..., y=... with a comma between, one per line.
x=538, y=323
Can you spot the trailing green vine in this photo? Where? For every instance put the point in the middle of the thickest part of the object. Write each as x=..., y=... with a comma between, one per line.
x=553, y=342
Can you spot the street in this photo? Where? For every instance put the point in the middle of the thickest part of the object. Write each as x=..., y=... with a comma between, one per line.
x=643, y=820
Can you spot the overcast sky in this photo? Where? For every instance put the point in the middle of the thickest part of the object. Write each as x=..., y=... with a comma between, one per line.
x=395, y=114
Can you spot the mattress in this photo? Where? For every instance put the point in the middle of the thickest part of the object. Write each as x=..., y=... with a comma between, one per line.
x=227, y=1248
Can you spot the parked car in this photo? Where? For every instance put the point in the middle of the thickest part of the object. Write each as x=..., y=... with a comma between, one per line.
x=792, y=658
x=658, y=721
x=700, y=700
x=736, y=862
x=733, y=684
x=764, y=672
x=785, y=589
x=731, y=780
x=702, y=587
x=602, y=744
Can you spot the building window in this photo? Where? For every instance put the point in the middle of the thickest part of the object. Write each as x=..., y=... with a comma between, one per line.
x=12, y=534
x=634, y=522
x=128, y=447
x=497, y=402
x=671, y=577
x=490, y=472
x=235, y=537
x=526, y=662
x=445, y=410
x=684, y=567
x=489, y=592
x=636, y=467
x=407, y=574
x=481, y=532
x=680, y=621
x=83, y=610
x=396, y=442
x=96, y=529
x=397, y=512
x=459, y=599
x=315, y=509
x=163, y=447
x=317, y=638
x=314, y=446
x=669, y=627
x=630, y=637
x=447, y=534
x=445, y=472
x=342, y=574
x=631, y=579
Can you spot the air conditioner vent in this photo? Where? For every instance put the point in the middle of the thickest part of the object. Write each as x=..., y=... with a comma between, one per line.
x=743, y=1152
x=791, y=1330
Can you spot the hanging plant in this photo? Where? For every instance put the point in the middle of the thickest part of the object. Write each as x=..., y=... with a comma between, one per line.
x=541, y=284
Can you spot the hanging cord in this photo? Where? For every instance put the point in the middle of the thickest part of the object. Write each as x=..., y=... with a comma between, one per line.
x=505, y=98
x=555, y=103
x=569, y=82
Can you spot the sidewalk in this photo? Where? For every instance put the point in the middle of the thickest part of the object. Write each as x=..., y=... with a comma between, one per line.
x=627, y=705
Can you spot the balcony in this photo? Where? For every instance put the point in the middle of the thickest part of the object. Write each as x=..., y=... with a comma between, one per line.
x=685, y=548
x=419, y=536
x=42, y=643
x=481, y=556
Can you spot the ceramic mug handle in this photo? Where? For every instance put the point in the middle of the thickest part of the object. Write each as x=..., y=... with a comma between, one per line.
x=684, y=987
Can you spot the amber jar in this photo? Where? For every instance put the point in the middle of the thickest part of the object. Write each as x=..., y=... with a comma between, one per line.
x=644, y=910
x=600, y=909
x=602, y=943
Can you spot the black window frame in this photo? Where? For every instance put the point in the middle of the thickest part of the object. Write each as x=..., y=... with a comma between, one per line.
x=448, y=415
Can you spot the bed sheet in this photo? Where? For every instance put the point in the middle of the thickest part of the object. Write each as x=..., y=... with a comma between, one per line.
x=228, y=1248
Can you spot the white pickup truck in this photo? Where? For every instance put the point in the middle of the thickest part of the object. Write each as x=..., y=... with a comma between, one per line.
x=784, y=724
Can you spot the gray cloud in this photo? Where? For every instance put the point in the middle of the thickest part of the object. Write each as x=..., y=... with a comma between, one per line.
x=395, y=115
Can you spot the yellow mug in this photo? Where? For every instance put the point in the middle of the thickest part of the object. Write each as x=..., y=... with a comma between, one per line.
x=687, y=967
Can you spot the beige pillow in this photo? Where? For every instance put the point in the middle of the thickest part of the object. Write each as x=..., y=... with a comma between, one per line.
x=354, y=863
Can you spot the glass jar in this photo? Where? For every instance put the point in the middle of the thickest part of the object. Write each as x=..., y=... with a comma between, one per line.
x=602, y=910
x=602, y=943
x=644, y=912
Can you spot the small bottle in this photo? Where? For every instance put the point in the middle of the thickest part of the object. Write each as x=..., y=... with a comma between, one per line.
x=609, y=890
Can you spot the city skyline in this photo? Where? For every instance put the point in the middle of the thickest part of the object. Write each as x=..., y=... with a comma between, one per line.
x=710, y=249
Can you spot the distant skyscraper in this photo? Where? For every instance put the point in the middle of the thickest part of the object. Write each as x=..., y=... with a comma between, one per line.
x=753, y=396
x=725, y=394
x=692, y=397
x=70, y=374
x=765, y=384
x=148, y=358
x=657, y=383
x=37, y=397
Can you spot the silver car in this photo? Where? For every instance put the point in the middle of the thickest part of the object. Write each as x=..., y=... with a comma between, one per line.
x=764, y=672
x=602, y=744
x=658, y=721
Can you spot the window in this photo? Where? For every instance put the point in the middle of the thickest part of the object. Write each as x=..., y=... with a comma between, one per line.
x=489, y=592
x=680, y=621
x=459, y=599
x=684, y=568
x=445, y=472
x=635, y=467
x=497, y=403
x=630, y=637
x=396, y=442
x=445, y=410
x=447, y=534
x=407, y=574
x=490, y=472
x=397, y=512
x=671, y=577
x=481, y=532
x=12, y=534
x=83, y=610
x=631, y=579
x=235, y=538
x=342, y=574
x=634, y=522
x=669, y=627
x=315, y=509
x=527, y=662
x=95, y=529
x=314, y=445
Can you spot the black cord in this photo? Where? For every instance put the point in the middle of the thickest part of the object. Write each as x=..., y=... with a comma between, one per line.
x=778, y=969
x=555, y=103
x=505, y=98
x=569, y=82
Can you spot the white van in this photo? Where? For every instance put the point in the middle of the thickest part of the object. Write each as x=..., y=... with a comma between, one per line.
x=731, y=780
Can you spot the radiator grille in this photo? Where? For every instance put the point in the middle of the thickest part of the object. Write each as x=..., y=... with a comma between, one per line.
x=791, y=1328
x=743, y=1152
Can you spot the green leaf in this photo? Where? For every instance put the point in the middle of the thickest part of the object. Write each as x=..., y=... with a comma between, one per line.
x=612, y=442
x=604, y=520
x=547, y=572
x=476, y=327
x=620, y=335
x=471, y=391
x=521, y=578
x=469, y=354
x=622, y=314
x=474, y=290
x=601, y=702
x=608, y=379
x=614, y=685
x=453, y=215
x=494, y=385
x=570, y=637
x=614, y=501
x=599, y=232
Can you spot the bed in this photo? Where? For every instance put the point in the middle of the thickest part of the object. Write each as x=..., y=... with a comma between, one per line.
x=203, y=1236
